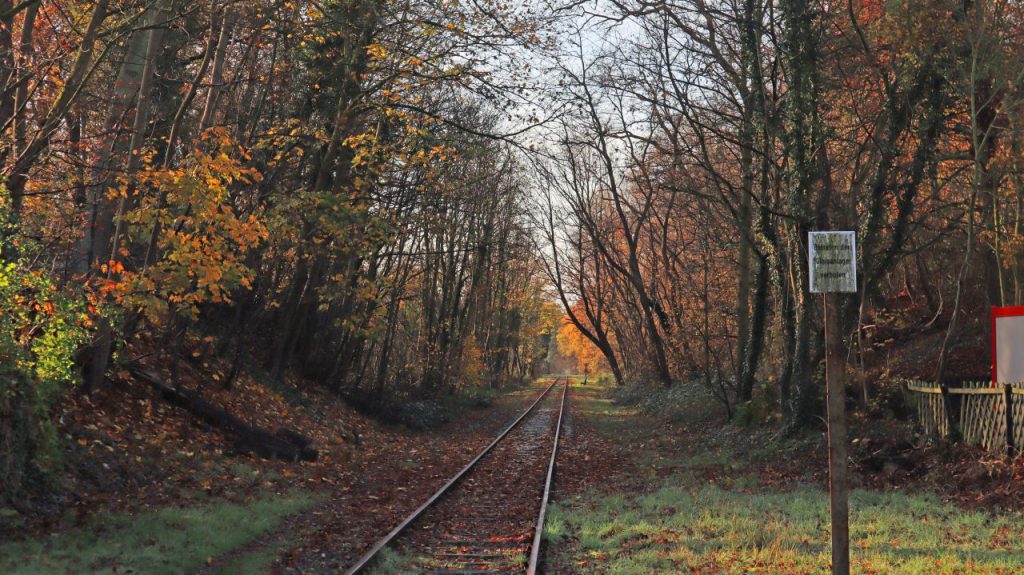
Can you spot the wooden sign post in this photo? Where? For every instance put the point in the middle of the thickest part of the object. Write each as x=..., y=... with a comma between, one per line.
x=833, y=269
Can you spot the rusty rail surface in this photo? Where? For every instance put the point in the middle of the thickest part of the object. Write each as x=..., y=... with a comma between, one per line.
x=531, y=568
x=371, y=555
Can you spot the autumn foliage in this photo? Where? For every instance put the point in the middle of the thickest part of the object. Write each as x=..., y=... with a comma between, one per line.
x=393, y=199
x=308, y=189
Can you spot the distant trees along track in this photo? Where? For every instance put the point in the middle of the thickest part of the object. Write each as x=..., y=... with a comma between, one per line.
x=489, y=517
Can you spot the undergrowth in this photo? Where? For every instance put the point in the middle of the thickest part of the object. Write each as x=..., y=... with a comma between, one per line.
x=688, y=402
x=422, y=414
x=41, y=328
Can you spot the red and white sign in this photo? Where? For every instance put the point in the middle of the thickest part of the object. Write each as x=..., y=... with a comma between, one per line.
x=1008, y=344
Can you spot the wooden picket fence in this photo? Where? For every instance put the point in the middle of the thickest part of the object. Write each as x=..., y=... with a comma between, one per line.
x=979, y=412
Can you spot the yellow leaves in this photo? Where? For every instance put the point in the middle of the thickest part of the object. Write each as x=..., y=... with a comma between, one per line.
x=442, y=152
x=118, y=192
x=361, y=140
x=203, y=238
x=377, y=51
x=572, y=342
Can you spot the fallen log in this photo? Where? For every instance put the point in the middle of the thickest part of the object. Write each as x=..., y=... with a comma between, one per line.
x=284, y=444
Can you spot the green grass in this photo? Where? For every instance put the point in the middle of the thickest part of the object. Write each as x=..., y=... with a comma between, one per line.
x=172, y=540
x=258, y=560
x=389, y=562
x=725, y=522
x=677, y=528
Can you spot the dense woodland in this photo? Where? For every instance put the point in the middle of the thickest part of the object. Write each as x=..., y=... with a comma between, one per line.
x=318, y=189
x=699, y=149
x=402, y=199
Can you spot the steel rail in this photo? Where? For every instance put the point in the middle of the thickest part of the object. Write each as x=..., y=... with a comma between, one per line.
x=531, y=568
x=370, y=555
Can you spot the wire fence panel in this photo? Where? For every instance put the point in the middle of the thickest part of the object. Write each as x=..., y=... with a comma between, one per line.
x=976, y=409
x=1018, y=416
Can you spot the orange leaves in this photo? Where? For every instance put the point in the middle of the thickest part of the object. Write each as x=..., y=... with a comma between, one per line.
x=203, y=233
x=45, y=307
x=112, y=267
x=573, y=343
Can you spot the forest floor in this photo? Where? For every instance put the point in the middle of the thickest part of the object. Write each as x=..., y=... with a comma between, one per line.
x=147, y=489
x=642, y=495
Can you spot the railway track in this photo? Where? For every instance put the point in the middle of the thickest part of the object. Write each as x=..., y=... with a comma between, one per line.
x=489, y=517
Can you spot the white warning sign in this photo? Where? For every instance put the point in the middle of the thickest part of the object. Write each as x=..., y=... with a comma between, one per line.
x=833, y=259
